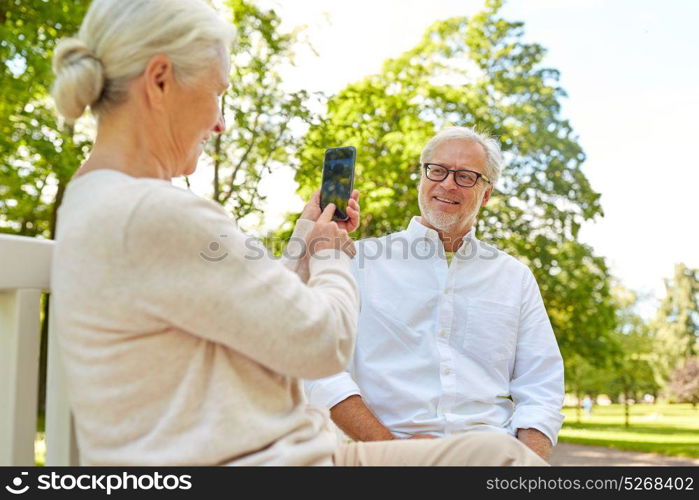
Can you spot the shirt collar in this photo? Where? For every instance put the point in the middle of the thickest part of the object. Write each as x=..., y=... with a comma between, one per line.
x=417, y=230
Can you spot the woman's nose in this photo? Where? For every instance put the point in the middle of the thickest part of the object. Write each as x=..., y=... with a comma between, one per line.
x=220, y=126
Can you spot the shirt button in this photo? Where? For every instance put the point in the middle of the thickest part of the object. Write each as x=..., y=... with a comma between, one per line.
x=446, y=292
x=442, y=334
x=447, y=371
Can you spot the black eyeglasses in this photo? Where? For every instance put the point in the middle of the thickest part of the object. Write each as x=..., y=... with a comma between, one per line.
x=463, y=178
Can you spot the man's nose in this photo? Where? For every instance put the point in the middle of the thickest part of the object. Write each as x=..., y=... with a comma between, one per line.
x=449, y=182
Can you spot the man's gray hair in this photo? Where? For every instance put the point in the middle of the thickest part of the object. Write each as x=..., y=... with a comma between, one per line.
x=489, y=144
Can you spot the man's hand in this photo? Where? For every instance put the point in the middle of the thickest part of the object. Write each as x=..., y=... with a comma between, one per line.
x=355, y=419
x=312, y=211
x=536, y=441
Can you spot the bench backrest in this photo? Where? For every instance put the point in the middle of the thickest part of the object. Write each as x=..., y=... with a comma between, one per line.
x=25, y=272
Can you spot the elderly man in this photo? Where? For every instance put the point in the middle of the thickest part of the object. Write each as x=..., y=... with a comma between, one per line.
x=453, y=333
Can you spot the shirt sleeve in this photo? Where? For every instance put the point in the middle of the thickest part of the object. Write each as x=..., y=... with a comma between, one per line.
x=537, y=386
x=329, y=391
x=195, y=270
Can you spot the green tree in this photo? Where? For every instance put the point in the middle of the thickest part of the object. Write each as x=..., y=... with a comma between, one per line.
x=37, y=155
x=677, y=320
x=583, y=377
x=634, y=366
x=479, y=72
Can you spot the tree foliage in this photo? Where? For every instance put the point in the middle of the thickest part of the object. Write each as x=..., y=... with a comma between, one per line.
x=37, y=155
x=583, y=377
x=480, y=72
x=633, y=370
x=630, y=368
x=677, y=320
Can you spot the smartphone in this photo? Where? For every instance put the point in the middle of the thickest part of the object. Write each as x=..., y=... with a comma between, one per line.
x=338, y=180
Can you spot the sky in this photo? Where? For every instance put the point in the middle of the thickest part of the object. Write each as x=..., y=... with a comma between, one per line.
x=631, y=71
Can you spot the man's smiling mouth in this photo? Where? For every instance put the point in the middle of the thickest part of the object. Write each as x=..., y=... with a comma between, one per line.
x=444, y=200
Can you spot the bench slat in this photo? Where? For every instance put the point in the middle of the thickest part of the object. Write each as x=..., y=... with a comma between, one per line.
x=19, y=374
x=24, y=262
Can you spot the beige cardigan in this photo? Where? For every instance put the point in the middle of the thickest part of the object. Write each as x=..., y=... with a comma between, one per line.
x=183, y=343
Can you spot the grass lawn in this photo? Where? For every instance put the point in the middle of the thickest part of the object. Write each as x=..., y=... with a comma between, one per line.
x=668, y=429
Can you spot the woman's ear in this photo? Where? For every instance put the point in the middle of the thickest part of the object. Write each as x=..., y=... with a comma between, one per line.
x=158, y=79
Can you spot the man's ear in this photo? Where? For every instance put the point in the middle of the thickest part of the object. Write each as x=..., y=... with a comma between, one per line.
x=486, y=196
x=158, y=79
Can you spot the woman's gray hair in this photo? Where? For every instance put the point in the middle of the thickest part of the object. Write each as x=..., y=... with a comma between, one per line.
x=116, y=40
x=489, y=144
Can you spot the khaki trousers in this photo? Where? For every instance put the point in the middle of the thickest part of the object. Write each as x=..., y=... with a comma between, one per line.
x=471, y=448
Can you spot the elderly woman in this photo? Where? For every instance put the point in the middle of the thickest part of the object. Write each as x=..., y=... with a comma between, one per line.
x=181, y=346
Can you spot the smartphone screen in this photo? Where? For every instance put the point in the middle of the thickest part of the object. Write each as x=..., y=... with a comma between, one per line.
x=338, y=179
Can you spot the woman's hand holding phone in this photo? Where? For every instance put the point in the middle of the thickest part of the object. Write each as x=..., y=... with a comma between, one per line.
x=328, y=234
x=312, y=211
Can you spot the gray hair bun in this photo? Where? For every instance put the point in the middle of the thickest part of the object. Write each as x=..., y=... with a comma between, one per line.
x=79, y=78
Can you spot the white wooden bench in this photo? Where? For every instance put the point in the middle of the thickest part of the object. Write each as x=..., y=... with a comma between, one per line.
x=25, y=269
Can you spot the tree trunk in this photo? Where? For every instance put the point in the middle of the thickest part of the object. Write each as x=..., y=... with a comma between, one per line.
x=578, y=406
x=217, y=183
x=217, y=157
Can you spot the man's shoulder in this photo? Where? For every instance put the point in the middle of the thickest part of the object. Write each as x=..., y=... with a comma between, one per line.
x=489, y=254
x=378, y=243
x=506, y=257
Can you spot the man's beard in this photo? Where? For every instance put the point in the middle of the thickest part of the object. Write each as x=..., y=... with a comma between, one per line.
x=444, y=221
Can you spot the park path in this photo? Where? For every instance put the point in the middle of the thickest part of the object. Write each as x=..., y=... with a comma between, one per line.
x=577, y=454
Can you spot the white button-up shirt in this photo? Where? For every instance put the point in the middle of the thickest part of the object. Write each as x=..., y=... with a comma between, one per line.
x=443, y=349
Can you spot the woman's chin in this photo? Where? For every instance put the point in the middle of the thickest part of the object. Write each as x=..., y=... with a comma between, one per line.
x=191, y=165
x=190, y=169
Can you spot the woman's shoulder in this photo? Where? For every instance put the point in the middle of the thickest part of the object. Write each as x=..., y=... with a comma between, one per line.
x=108, y=201
x=162, y=201
x=114, y=190
x=177, y=220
